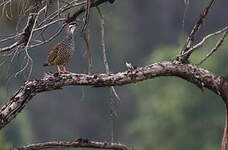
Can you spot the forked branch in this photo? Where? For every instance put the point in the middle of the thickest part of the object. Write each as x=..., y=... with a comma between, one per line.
x=23, y=37
x=213, y=50
x=193, y=33
x=201, y=43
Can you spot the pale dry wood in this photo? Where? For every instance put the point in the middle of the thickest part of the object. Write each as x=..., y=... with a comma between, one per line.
x=214, y=49
x=198, y=76
x=80, y=143
x=193, y=33
x=202, y=42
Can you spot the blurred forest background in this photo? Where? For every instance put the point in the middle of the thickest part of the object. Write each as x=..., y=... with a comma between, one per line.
x=162, y=114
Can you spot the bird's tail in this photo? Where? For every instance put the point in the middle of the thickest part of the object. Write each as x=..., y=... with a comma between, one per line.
x=45, y=64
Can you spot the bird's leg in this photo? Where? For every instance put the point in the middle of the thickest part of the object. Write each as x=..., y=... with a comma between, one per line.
x=59, y=69
x=64, y=69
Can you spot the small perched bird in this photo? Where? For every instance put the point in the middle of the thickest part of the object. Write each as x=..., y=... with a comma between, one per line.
x=63, y=51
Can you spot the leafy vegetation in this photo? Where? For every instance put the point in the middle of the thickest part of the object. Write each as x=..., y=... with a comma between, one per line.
x=176, y=115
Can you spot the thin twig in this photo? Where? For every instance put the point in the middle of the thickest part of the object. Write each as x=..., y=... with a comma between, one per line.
x=4, y=7
x=200, y=44
x=4, y=2
x=9, y=38
x=95, y=3
x=23, y=38
x=48, y=24
x=103, y=40
x=104, y=51
x=218, y=44
x=50, y=39
x=194, y=31
x=113, y=112
x=27, y=44
x=61, y=10
x=11, y=47
x=85, y=35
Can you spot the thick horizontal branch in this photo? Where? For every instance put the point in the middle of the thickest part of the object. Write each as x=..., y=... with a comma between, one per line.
x=80, y=143
x=193, y=74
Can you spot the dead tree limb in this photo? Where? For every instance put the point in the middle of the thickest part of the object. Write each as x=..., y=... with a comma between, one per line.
x=193, y=33
x=213, y=50
x=83, y=9
x=23, y=37
x=198, y=76
x=79, y=143
x=202, y=42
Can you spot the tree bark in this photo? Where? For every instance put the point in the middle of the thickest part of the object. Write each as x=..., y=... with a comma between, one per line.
x=79, y=143
x=225, y=134
x=224, y=89
x=198, y=76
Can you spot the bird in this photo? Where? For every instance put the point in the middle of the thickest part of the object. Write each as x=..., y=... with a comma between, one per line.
x=63, y=51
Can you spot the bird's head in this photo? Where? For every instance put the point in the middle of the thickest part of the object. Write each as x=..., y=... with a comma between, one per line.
x=72, y=26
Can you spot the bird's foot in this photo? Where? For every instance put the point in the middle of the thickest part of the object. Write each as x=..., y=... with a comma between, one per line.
x=63, y=72
x=66, y=72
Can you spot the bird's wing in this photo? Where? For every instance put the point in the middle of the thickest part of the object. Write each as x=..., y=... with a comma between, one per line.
x=53, y=54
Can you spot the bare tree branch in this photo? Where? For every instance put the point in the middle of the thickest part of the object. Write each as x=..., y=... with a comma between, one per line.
x=95, y=3
x=193, y=33
x=104, y=51
x=79, y=143
x=85, y=34
x=103, y=40
x=113, y=113
x=62, y=9
x=224, y=144
x=28, y=42
x=200, y=44
x=25, y=35
x=9, y=38
x=218, y=44
x=49, y=82
x=50, y=38
x=48, y=24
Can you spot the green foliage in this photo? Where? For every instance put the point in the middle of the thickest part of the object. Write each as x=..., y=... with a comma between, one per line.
x=176, y=115
x=4, y=145
x=19, y=131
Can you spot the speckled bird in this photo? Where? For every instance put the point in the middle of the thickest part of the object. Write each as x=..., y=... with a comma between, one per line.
x=63, y=51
